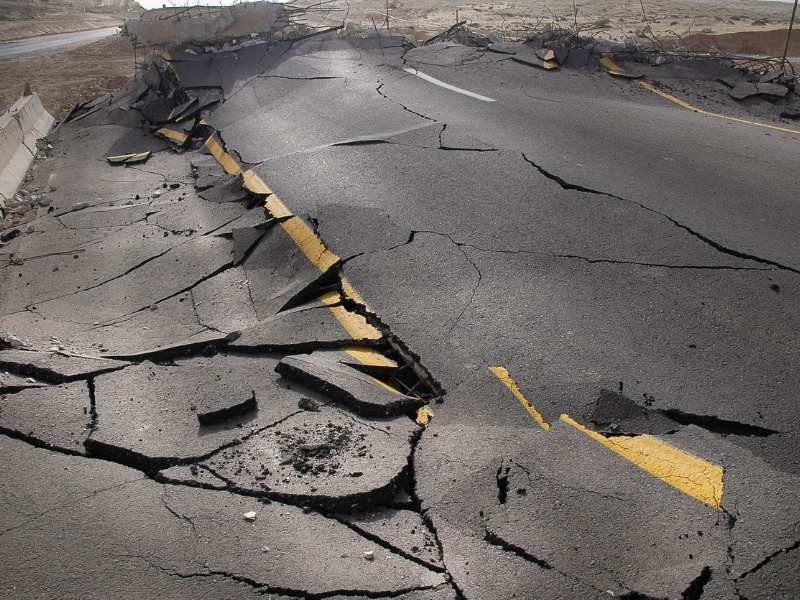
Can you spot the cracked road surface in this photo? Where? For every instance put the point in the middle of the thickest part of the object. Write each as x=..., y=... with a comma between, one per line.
x=591, y=290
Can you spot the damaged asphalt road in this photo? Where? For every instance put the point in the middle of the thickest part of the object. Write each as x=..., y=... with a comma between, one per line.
x=538, y=346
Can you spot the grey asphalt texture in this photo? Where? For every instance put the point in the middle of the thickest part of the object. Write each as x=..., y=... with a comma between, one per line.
x=179, y=417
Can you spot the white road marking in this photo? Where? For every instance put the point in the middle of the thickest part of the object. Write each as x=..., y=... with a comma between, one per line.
x=447, y=86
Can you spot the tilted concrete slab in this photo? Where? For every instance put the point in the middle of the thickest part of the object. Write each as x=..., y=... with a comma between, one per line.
x=278, y=271
x=359, y=392
x=303, y=329
x=224, y=401
x=57, y=367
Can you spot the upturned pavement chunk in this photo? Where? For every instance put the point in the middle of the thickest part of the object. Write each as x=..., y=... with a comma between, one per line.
x=361, y=393
x=225, y=401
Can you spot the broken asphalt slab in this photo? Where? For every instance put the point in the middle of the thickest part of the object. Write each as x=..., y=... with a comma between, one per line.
x=146, y=414
x=359, y=392
x=325, y=459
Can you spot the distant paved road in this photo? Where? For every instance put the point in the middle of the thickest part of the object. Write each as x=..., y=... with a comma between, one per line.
x=48, y=43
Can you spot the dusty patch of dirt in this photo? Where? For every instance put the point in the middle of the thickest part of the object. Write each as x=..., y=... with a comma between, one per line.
x=57, y=23
x=64, y=78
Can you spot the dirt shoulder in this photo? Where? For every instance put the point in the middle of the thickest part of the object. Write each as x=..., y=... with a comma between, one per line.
x=57, y=23
x=64, y=78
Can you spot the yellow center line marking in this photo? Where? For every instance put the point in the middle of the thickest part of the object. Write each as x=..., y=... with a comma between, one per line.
x=612, y=66
x=223, y=158
x=173, y=135
x=424, y=416
x=503, y=375
x=356, y=325
x=369, y=356
x=309, y=243
x=691, y=475
x=254, y=183
x=315, y=250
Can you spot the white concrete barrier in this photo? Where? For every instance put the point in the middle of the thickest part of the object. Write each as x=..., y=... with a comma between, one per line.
x=21, y=127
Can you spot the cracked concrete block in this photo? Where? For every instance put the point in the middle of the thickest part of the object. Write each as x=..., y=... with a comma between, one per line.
x=743, y=90
x=403, y=530
x=440, y=592
x=266, y=550
x=325, y=459
x=226, y=401
x=278, y=270
x=629, y=505
x=482, y=570
x=301, y=329
x=578, y=57
x=53, y=417
x=145, y=415
x=772, y=91
x=156, y=280
x=506, y=47
x=532, y=61
x=106, y=216
x=351, y=230
x=356, y=390
x=182, y=213
x=771, y=76
x=244, y=239
x=56, y=367
x=763, y=500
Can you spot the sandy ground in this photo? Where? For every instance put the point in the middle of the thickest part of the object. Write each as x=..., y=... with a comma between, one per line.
x=79, y=74
x=63, y=78
x=610, y=19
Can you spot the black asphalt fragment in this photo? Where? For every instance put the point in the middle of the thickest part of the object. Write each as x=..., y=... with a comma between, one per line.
x=358, y=391
x=226, y=401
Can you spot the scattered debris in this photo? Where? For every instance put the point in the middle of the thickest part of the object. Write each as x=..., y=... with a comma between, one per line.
x=129, y=159
x=249, y=516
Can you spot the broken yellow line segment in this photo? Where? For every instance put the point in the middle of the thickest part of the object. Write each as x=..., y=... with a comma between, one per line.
x=503, y=375
x=612, y=66
x=173, y=135
x=691, y=475
x=356, y=325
